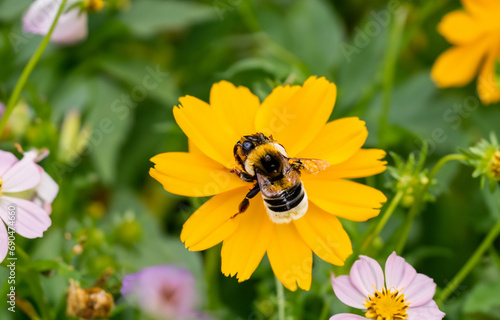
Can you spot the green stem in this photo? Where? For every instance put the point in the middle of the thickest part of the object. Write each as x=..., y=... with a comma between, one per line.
x=471, y=263
x=415, y=209
x=280, y=295
x=325, y=311
x=382, y=222
x=425, y=11
x=212, y=271
x=394, y=46
x=442, y=162
x=14, y=98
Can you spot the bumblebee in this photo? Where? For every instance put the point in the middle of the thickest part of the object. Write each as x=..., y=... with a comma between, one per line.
x=263, y=161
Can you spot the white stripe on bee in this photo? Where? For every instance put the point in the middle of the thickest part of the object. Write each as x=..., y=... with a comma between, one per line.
x=293, y=214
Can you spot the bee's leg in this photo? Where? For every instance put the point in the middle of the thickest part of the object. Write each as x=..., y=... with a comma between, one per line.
x=245, y=203
x=243, y=175
x=296, y=163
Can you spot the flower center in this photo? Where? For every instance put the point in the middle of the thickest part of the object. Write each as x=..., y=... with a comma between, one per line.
x=386, y=305
x=1, y=183
x=94, y=5
x=495, y=165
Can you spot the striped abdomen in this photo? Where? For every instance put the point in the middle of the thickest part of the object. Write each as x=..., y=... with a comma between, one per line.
x=290, y=205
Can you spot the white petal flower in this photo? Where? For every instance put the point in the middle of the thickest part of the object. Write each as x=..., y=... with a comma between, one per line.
x=70, y=29
x=27, y=191
x=406, y=294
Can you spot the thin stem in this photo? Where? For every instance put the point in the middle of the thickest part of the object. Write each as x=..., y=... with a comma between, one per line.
x=14, y=98
x=471, y=263
x=280, y=295
x=325, y=311
x=394, y=45
x=415, y=209
x=382, y=222
x=212, y=271
x=442, y=162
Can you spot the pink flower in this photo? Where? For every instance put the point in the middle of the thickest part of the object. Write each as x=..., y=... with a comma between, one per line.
x=405, y=294
x=164, y=292
x=26, y=192
x=71, y=26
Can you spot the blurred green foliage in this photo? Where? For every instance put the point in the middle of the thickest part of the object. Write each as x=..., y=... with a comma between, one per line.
x=142, y=55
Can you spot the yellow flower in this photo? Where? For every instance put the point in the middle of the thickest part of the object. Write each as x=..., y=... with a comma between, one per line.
x=475, y=33
x=296, y=118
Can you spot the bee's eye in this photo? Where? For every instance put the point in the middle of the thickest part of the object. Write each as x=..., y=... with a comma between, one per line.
x=247, y=145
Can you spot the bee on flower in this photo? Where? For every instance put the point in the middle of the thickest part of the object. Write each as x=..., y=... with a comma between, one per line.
x=277, y=172
x=475, y=34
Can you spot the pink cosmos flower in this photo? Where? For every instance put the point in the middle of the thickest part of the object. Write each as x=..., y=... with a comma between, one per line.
x=71, y=26
x=26, y=192
x=405, y=294
x=163, y=292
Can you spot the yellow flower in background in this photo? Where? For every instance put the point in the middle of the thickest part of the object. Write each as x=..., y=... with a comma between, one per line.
x=285, y=147
x=475, y=34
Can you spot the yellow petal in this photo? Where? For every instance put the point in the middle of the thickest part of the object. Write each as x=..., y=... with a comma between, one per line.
x=215, y=129
x=212, y=222
x=483, y=8
x=294, y=115
x=457, y=66
x=236, y=106
x=213, y=239
x=244, y=249
x=364, y=163
x=192, y=148
x=325, y=235
x=459, y=27
x=290, y=257
x=206, y=130
x=488, y=83
x=337, y=141
x=345, y=199
x=193, y=175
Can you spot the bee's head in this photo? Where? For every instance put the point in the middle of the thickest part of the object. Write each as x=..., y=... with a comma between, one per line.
x=247, y=144
x=260, y=151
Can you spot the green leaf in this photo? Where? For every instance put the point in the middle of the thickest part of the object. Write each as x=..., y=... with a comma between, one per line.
x=152, y=80
x=492, y=200
x=149, y=17
x=109, y=128
x=310, y=29
x=275, y=68
x=483, y=303
x=12, y=9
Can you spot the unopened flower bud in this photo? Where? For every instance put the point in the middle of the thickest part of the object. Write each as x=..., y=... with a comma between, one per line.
x=94, y=5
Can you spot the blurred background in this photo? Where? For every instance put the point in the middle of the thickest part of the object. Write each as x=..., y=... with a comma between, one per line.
x=103, y=108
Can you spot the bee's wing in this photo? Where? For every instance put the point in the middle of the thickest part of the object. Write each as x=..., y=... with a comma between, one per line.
x=311, y=166
x=267, y=188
